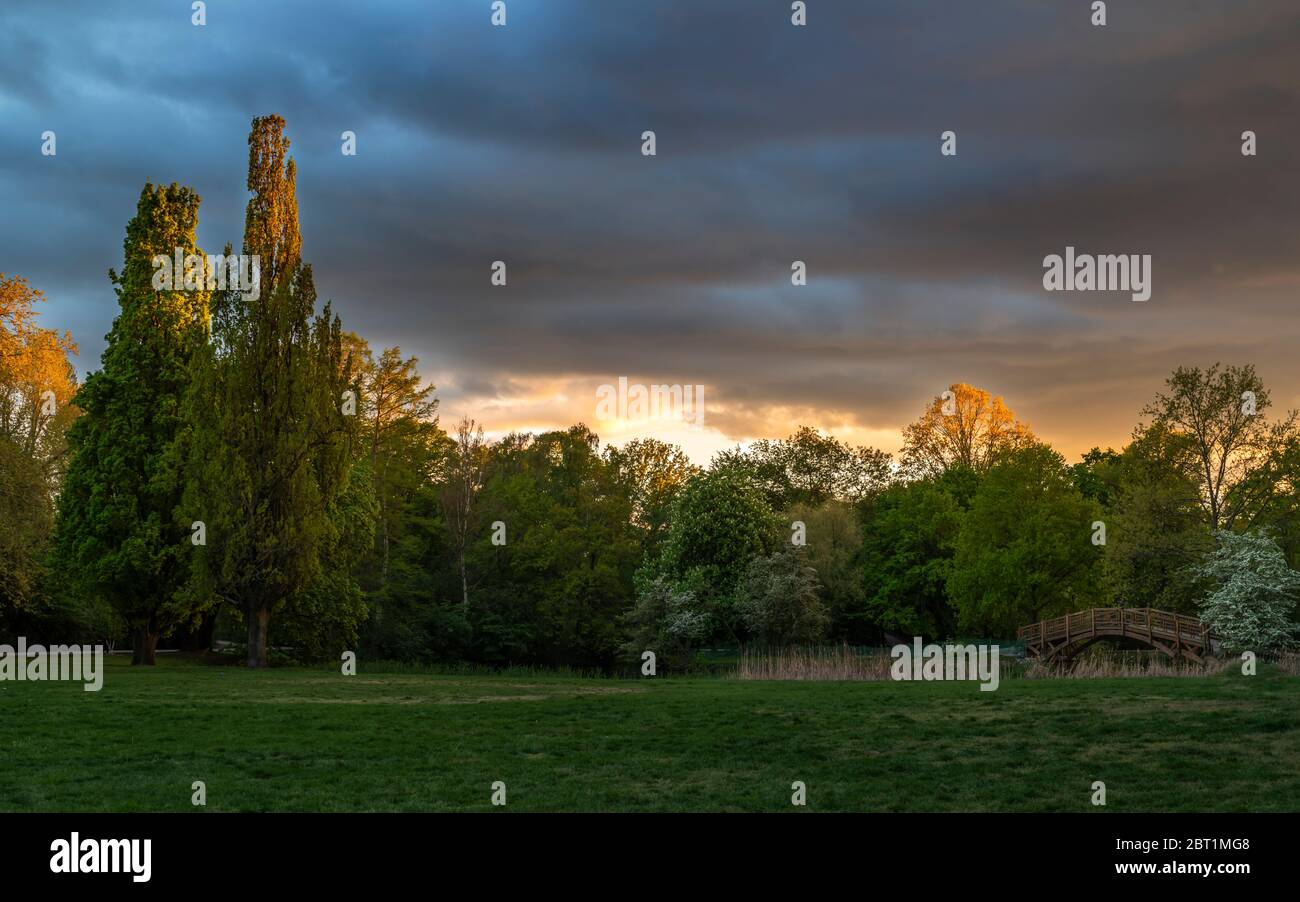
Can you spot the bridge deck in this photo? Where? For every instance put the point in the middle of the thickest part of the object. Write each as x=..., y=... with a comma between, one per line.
x=1177, y=635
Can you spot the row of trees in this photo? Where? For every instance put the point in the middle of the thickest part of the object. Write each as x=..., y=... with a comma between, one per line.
x=212, y=462
x=241, y=460
x=982, y=527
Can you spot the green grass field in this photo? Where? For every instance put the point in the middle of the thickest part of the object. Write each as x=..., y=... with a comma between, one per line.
x=309, y=740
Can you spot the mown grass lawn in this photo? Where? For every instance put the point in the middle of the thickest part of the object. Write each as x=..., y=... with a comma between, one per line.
x=309, y=740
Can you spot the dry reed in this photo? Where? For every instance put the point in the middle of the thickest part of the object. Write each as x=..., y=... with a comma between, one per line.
x=841, y=662
x=844, y=662
x=1289, y=662
x=1106, y=666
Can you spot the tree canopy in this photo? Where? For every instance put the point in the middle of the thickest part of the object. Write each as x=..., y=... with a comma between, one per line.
x=963, y=426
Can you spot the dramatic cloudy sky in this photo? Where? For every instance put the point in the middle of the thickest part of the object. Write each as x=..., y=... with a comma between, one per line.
x=775, y=144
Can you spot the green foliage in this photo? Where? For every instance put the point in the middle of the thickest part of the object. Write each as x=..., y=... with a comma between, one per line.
x=1156, y=529
x=1094, y=476
x=777, y=600
x=1254, y=592
x=401, y=439
x=808, y=468
x=402, y=451
x=25, y=523
x=910, y=541
x=834, y=542
x=1278, y=484
x=1024, y=551
x=666, y=621
x=117, y=535
x=652, y=474
x=270, y=449
x=719, y=524
x=1220, y=411
x=323, y=619
x=554, y=592
x=416, y=615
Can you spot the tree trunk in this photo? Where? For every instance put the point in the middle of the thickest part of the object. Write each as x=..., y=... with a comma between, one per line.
x=259, y=622
x=383, y=534
x=207, y=629
x=464, y=584
x=145, y=646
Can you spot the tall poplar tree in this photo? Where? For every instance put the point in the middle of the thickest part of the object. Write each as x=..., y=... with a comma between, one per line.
x=117, y=536
x=271, y=445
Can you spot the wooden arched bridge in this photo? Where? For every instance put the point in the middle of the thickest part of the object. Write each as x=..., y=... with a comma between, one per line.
x=1061, y=638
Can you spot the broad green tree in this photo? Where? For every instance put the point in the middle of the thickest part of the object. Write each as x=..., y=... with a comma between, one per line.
x=117, y=534
x=1025, y=547
x=1221, y=410
x=1156, y=532
x=910, y=540
x=720, y=523
x=553, y=552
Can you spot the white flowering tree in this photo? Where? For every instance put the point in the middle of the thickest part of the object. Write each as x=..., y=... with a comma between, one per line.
x=668, y=621
x=1253, y=594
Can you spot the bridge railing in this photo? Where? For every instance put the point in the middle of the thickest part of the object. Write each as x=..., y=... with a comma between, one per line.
x=1191, y=628
x=1108, y=618
x=1137, y=622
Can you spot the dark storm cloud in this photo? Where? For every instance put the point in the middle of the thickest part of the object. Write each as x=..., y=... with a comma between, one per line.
x=775, y=144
